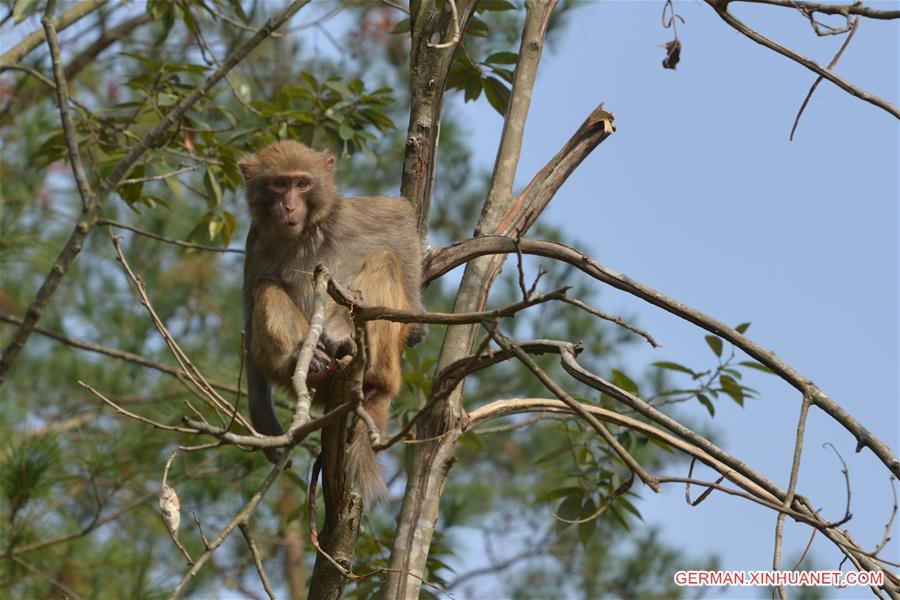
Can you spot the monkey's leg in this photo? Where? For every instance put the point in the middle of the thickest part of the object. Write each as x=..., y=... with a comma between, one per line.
x=278, y=328
x=275, y=332
x=380, y=283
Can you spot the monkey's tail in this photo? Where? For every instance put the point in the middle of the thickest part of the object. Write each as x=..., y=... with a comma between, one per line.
x=362, y=462
x=363, y=466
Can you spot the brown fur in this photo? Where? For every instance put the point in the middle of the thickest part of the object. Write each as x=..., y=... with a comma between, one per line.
x=369, y=244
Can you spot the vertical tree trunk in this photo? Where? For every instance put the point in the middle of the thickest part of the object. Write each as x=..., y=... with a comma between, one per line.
x=432, y=461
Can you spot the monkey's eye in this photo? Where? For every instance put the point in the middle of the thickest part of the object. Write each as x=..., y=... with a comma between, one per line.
x=303, y=183
x=279, y=184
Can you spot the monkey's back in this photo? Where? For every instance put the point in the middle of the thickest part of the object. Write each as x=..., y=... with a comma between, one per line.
x=373, y=224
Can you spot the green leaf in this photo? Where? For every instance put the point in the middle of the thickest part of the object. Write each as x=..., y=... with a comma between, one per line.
x=22, y=10
x=672, y=366
x=618, y=517
x=558, y=493
x=497, y=94
x=213, y=189
x=627, y=505
x=473, y=441
x=402, y=26
x=732, y=388
x=552, y=454
x=345, y=131
x=214, y=226
x=715, y=343
x=570, y=508
x=230, y=224
x=495, y=5
x=478, y=28
x=624, y=381
x=339, y=87
x=473, y=88
x=707, y=403
x=502, y=58
x=131, y=192
x=742, y=327
x=757, y=366
x=586, y=531
x=504, y=74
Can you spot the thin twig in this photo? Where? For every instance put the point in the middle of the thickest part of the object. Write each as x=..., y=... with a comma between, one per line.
x=463, y=251
x=89, y=216
x=241, y=517
x=257, y=559
x=203, y=537
x=856, y=8
x=792, y=488
x=54, y=582
x=721, y=8
x=455, y=32
x=846, y=473
x=33, y=40
x=135, y=416
x=174, y=242
x=160, y=177
x=114, y=353
x=890, y=522
x=705, y=494
x=551, y=385
x=205, y=391
x=308, y=348
x=818, y=80
x=374, y=433
x=62, y=95
x=613, y=319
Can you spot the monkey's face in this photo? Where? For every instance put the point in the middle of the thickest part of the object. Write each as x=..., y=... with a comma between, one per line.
x=292, y=199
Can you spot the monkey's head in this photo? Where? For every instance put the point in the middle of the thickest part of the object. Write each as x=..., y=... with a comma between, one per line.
x=290, y=187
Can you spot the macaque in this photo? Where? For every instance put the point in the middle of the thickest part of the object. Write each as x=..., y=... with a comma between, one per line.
x=370, y=244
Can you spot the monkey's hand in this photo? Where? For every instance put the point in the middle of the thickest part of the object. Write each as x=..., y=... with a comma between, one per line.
x=417, y=334
x=339, y=346
x=322, y=365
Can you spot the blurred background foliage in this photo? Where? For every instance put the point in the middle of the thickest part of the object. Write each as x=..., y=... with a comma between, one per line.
x=80, y=483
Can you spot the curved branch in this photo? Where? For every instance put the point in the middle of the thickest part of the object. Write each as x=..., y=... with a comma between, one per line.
x=721, y=8
x=91, y=211
x=116, y=353
x=34, y=39
x=857, y=8
x=447, y=258
x=25, y=98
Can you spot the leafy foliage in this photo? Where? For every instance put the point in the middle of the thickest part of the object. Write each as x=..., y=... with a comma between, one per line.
x=79, y=482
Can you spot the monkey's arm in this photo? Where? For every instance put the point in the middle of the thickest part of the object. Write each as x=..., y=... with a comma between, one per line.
x=277, y=329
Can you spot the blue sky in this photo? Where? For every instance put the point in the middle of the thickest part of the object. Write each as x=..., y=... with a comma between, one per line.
x=701, y=195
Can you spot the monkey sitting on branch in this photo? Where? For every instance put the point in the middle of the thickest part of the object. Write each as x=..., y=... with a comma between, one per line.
x=369, y=244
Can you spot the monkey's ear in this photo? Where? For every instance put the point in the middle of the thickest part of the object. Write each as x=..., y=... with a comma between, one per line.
x=329, y=164
x=247, y=165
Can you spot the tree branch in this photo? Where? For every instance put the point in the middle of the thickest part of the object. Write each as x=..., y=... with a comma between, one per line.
x=115, y=353
x=721, y=8
x=456, y=254
x=27, y=97
x=429, y=471
x=34, y=39
x=429, y=67
x=62, y=95
x=91, y=212
x=166, y=240
x=857, y=8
